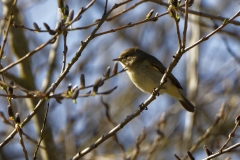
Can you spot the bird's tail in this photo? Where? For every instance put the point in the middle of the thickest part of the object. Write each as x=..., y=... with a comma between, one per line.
x=187, y=104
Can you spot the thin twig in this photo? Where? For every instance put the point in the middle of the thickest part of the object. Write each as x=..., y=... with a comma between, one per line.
x=18, y=127
x=42, y=131
x=140, y=138
x=115, y=137
x=204, y=38
x=22, y=143
x=154, y=146
x=49, y=41
x=11, y=16
x=85, y=43
x=44, y=31
x=6, y=121
x=160, y=135
x=29, y=54
x=231, y=135
x=178, y=33
x=185, y=25
x=109, y=118
x=27, y=119
x=105, y=8
x=51, y=63
x=219, y=116
x=126, y=10
x=131, y=24
x=213, y=17
x=230, y=51
x=64, y=51
x=141, y=107
x=229, y=149
x=176, y=156
x=38, y=95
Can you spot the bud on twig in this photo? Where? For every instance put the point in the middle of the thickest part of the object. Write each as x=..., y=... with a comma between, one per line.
x=17, y=118
x=115, y=68
x=78, y=18
x=10, y=112
x=10, y=89
x=176, y=156
x=75, y=95
x=74, y=88
x=82, y=81
x=174, y=3
x=17, y=123
x=149, y=14
x=36, y=27
x=51, y=32
x=101, y=83
x=70, y=16
x=69, y=89
x=96, y=86
x=46, y=26
x=2, y=86
x=173, y=13
x=207, y=151
x=107, y=73
x=190, y=155
x=66, y=11
x=237, y=119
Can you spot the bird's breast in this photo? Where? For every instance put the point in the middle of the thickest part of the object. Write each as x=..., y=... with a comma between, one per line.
x=145, y=78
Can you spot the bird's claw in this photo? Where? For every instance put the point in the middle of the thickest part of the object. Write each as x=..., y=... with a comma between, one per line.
x=142, y=107
x=154, y=92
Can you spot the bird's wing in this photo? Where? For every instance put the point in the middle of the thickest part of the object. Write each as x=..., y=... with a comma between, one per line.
x=156, y=64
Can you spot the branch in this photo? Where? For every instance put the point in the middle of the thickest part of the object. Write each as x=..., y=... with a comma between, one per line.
x=7, y=28
x=197, y=13
x=42, y=131
x=146, y=102
x=219, y=116
x=49, y=41
x=229, y=149
x=185, y=24
x=131, y=24
x=204, y=38
x=27, y=119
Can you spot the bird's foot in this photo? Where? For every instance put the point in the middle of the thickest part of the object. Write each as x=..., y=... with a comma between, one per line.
x=155, y=92
x=142, y=107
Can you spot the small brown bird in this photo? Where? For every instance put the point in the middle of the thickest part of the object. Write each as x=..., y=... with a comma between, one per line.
x=146, y=71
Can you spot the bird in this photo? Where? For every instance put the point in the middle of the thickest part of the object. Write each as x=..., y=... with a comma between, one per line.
x=146, y=71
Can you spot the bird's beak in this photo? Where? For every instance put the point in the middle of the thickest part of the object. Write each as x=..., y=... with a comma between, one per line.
x=117, y=59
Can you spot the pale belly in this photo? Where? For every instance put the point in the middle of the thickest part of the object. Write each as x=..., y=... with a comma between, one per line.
x=146, y=82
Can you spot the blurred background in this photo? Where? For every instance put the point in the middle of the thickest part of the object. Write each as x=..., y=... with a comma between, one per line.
x=209, y=74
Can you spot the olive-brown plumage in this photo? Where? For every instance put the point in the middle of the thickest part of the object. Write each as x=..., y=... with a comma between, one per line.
x=146, y=71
